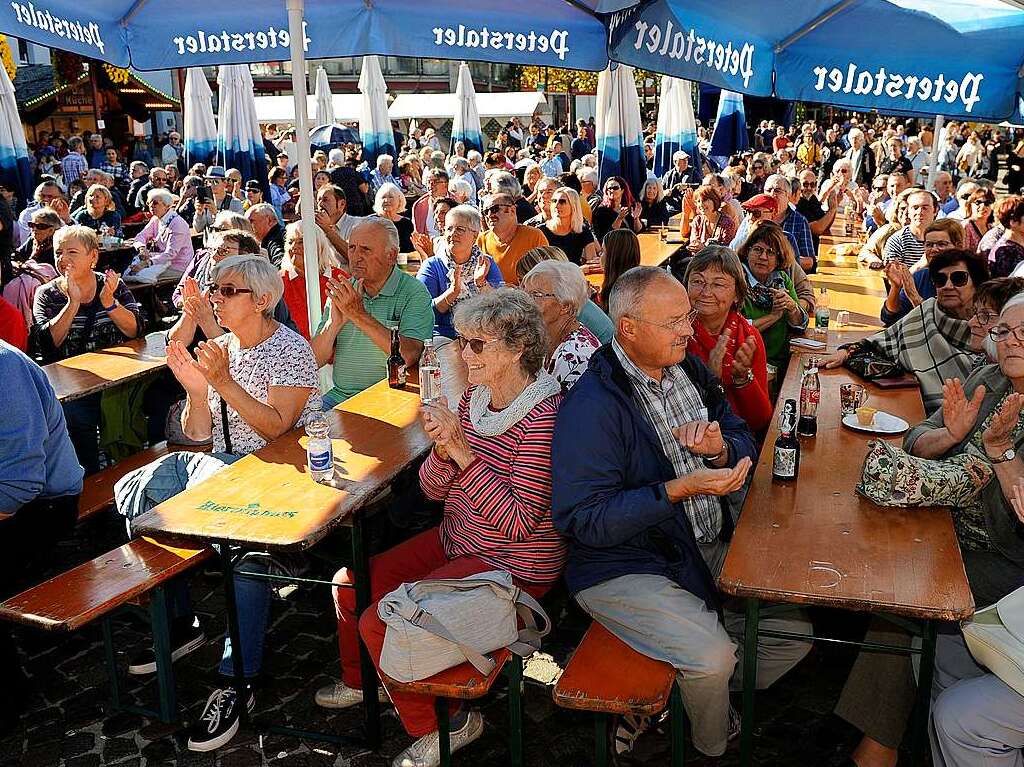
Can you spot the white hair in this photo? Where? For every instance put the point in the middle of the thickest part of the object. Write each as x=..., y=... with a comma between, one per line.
x=586, y=173
x=680, y=155
x=161, y=195
x=384, y=159
x=385, y=191
x=474, y=155
x=336, y=156
x=566, y=281
x=468, y=215
x=257, y=274
x=384, y=224
x=325, y=254
x=459, y=186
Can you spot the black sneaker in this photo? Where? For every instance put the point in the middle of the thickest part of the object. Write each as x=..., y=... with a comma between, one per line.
x=219, y=722
x=186, y=637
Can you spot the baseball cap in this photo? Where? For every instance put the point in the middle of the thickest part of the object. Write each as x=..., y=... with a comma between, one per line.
x=760, y=202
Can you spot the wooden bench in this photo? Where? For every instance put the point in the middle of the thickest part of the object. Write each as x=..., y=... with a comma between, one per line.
x=608, y=677
x=95, y=589
x=464, y=682
x=98, y=489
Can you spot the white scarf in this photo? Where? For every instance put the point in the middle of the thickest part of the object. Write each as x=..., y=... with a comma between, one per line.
x=489, y=423
x=468, y=270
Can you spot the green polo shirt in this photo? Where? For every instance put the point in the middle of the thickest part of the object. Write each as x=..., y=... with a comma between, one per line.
x=358, y=362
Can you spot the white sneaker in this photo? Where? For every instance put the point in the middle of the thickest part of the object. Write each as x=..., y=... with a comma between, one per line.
x=340, y=695
x=426, y=752
x=627, y=730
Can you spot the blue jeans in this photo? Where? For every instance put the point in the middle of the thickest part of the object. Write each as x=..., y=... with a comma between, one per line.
x=83, y=420
x=139, y=491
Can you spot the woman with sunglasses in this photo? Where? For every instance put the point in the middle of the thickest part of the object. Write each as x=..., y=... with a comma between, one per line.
x=491, y=468
x=933, y=341
x=617, y=209
x=568, y=230
x=980, y=414
x=243, y=389
x=906, y=289
x=39, y=246
x=979, y=217
x=461, y=270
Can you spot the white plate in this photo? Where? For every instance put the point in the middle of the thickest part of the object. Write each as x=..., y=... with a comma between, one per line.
x=885, y=423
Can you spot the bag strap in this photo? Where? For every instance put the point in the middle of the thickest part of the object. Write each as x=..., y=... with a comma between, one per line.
x=428, y=622
x=529, y=638
x=224, y=425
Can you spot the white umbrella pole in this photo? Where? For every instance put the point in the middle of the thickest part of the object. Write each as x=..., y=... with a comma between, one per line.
x=933, y=159
x=312, y=264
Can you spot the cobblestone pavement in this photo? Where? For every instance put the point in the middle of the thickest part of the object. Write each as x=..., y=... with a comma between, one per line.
x=69, y=722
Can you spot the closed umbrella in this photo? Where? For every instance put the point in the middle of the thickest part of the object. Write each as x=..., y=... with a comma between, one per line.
x=239, y=141
x=200, y=127
x=466, y=125
x=620, y=149
x=374, y=124
x=324, y=102
x=730, y=134
x=677, y=128
x=14, y=167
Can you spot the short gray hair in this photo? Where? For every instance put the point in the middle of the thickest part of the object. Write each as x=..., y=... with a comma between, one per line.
x=504, y=182
x=468, y=215
x=261, y=209
x=228, y=219
x=257, y=274
x=388, y=190
x=383, y=159
x=628, y=292
x=566, y=280
x=386, y=225
x=37, y=195
x=512, y=317
x=460, y=185
x=158, y=193
x=336, y=156
x=679, y=154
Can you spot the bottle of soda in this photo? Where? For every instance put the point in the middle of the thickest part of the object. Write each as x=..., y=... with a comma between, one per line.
x=786, y=459
x=821, y=315
x=810, y=394
x=319, y=451
x=396, y=362
x=430, y=374
x=848, y=215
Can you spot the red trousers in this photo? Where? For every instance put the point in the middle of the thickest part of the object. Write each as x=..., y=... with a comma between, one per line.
x=416, y=559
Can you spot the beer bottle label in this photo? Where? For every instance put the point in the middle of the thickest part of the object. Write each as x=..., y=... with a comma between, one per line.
x=784, y=462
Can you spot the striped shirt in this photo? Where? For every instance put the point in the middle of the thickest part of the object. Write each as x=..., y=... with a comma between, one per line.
x=904, y=246
x=670, y=403
x=498, y=509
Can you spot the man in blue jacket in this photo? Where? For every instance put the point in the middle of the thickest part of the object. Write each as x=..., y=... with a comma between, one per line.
x=645, y=450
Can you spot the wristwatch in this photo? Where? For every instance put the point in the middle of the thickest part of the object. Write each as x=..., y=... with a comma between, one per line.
x=743, y=380
x=1007, y=455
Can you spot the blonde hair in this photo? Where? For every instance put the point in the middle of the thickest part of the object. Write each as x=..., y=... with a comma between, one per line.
x=325, y=254
x=83, y=235
x=576, y=220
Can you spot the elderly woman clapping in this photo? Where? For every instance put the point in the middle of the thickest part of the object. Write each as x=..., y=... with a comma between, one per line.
x=460, y=270
x=390, y=203
x=99, y=213
x=560, y=291
x=491, y=467
x=244, y=389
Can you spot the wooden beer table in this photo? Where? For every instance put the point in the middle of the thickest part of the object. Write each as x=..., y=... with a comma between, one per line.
x=85, y=374
x=816, y=542
x=266, y=501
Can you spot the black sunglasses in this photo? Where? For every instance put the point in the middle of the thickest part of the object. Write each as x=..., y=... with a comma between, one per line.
x=612, y=188
x=476, y=344
x=34, y=225
x=959, y=279
x=495, y=209
x=227, y=290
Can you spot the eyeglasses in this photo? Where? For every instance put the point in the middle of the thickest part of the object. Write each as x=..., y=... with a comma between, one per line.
x=808, y=184
x=959, y=279
x=458, y=231
x=612, y=188
x=986, y=316
x=965, y=196
x=34, y=226
x=982, y=203
x=495, y=210
x=227, y=290
x=561, y=201
x=761, y=250
x=937, y=244
x=539, y=294
x=879, y=188
x=675, y=327
x=1002, y=332
x=476, y=344
x=697, y=285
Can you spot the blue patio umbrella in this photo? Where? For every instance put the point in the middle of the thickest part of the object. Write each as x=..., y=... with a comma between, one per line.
x=239, y=141
x=466, y=125
x=730, y=135
x=620, y=149
x=14, y=168
x=374, y=124
x=677, y=127
x=200, y=126
x=327, y=137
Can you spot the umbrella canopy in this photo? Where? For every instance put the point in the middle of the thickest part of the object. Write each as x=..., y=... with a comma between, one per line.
x=374, y=124
x=466, y=125
x=324, y=102
x=327, y=137
x=14, y=168
x=959, y=58
x=730, y=134
x=620, y=150
x=677, y=127
x=239, y=141
x=200, y=127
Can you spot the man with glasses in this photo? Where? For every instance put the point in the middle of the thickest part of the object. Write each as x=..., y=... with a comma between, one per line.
x=819, y=218
x=47, y=195
x=643, y=506
x=792, y=222
x=356, y=328
x=157, y=180
x=506, y=240
x=895, y=183
x=676, y=180
x=172, y=151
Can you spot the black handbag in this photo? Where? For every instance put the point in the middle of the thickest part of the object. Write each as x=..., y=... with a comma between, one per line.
x=868, y=363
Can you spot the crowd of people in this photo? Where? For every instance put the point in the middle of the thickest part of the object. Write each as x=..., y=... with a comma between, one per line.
x=667, y=376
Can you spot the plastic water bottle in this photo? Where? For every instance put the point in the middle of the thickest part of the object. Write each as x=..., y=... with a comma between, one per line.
x=821, y=315
x=319, y=451
x=430, y=374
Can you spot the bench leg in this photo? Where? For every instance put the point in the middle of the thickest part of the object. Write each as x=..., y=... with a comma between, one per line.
x=443, y=731
x=162, y=650
x=515, y=710
x=361, y=566
x=677, y=717
x=749, y=682
x=234, y=632
x=601, y=739
x=111, y=660
x=924, y=694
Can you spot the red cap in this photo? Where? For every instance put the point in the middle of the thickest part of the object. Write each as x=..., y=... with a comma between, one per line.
x=760, y=202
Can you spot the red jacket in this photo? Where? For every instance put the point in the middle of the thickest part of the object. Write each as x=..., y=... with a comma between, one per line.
x=12, y=326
